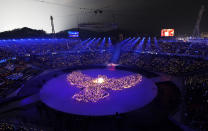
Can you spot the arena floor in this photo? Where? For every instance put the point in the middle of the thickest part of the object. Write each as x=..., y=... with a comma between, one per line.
x=57, y=94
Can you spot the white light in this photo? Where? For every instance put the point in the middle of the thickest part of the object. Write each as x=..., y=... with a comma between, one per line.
x=166, y=33
x=99, y=80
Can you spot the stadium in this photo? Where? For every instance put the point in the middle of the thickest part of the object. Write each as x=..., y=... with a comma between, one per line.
x=101, y=77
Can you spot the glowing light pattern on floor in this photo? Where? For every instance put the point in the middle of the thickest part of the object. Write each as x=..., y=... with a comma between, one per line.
x=95, y=89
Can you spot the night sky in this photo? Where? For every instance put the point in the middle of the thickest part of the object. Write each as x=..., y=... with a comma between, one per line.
x=146, y=16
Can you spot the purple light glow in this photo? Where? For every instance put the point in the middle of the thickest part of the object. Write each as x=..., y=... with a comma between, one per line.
x=57, y=93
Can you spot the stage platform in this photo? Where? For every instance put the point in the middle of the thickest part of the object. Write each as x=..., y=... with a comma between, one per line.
x=57, y=94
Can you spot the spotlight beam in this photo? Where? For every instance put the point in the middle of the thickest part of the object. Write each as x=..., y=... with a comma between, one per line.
x=141, y=44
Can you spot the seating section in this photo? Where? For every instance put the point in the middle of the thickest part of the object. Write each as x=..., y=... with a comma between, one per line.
x=22, y=60
x=174, y=65
x=195, y=112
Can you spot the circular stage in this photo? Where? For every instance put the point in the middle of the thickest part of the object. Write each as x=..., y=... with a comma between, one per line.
x=61, y=93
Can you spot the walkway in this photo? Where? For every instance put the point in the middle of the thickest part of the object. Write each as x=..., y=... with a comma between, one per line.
x=20, y=103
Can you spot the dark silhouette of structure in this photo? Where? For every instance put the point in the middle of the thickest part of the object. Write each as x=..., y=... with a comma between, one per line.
x=52, y=25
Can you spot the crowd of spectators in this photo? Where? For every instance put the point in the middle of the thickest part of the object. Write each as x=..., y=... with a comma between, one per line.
x=22, y=59
x=4, y=54
x=195, y=111
x=13, y=74
x=185, y=59
x=185, y=48
x=174, y=65
x=73, y=59
x=154, y=45
x=29, y=47
x=14, y=125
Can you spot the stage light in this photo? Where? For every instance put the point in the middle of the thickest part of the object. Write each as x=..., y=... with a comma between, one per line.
x=99, y=80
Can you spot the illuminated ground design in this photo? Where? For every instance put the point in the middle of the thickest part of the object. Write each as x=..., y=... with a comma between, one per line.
x=94, y=89
x=59, y=94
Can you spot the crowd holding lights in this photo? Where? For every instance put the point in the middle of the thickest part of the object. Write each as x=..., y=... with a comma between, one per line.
x=95, y=89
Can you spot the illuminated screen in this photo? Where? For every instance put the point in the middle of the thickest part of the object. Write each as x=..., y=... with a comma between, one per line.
x=167, y=32
x=73, y=34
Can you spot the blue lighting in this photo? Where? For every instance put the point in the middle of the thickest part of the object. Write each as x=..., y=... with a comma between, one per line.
x=73, y=34
x=109, y=40
x=109, y=43
x=103, y=43
x=141, y=44
x=3, y=61
x=156, y=43
x=148, y=43
x=135, y=41
x=90, y=42
x=14, y=58
x=97, y=41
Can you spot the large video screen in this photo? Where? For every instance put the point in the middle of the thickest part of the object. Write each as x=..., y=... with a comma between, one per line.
x=167, y=32
x=73, y=34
